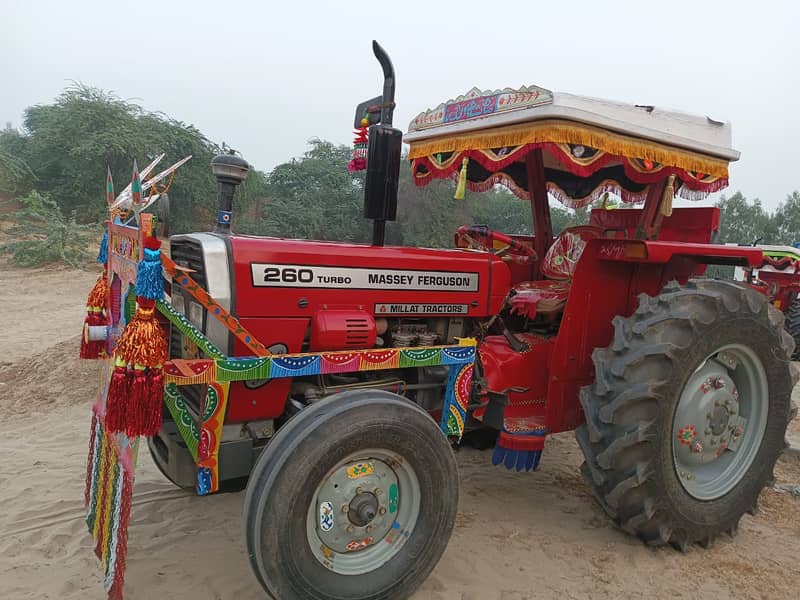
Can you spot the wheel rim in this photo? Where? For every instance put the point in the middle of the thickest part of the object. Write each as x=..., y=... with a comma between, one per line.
x=720, y=422
x=363, y=511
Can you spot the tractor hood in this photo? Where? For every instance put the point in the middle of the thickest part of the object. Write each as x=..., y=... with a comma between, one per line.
x=294, y=278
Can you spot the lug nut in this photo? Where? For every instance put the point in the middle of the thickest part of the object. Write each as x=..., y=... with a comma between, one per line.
x=378, y=491
x=369, y=528
x=350, y=529
x=345, y=508
x=382, y=510
x=359, y=490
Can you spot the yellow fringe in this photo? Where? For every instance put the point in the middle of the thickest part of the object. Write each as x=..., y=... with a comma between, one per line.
x=564, y=132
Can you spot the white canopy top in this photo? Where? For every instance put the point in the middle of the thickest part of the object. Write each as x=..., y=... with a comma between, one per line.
x=478, y=110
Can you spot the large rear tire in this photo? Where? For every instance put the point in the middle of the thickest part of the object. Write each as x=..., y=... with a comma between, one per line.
x=688, y=411
x=355, y=498
x=793, y=326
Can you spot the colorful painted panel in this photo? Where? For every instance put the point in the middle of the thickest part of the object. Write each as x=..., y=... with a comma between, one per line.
x=477, y=103
x=214, y=406
x=188, y=329
x=454, y=410
x=183, y=418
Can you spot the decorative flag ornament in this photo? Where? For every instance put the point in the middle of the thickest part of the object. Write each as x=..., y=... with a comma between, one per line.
x=360, y=147
x=461, y=188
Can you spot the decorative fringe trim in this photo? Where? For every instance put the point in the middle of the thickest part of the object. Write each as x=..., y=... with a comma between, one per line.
x=608, y=186
x=522, y=451
x=108, y=499
x=686, y=192
x=564, y=132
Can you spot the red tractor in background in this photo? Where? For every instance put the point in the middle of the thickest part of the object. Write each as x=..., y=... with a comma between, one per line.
x=678, y=387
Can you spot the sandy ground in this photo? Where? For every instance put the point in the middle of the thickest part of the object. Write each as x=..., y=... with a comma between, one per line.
x=518, y=536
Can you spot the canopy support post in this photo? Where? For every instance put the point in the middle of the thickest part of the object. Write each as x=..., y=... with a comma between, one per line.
x=650, y=223
x=542, y=227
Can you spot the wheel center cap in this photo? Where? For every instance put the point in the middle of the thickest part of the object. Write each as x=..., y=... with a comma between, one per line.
x=719, y=420
x=363, y=509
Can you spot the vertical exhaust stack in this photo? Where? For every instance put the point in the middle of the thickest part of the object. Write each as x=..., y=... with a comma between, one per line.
x=383, y=155
x=230, y=170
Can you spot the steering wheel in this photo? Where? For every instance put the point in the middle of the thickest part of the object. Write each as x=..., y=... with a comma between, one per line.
x=480, y=237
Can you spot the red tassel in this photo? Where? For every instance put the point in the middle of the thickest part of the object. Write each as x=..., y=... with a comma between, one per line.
x=144, y=417
x=117, y=399
x=137, y=399
x=155, y=380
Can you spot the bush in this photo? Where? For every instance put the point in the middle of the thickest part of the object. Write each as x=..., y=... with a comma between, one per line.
x=44, y=235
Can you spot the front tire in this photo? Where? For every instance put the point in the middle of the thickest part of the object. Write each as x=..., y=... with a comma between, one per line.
x=688, y=411
x=355, y=498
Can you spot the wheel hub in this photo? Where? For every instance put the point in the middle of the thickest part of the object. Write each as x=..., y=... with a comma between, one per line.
x=356, y=505
x=362, y=509
x=709, y=426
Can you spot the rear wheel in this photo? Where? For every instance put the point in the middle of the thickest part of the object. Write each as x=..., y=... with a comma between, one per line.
x=688, y=411
x=354, y=498
x=793, y=326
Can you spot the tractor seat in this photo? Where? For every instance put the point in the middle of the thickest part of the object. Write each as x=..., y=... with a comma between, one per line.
x=547, y=297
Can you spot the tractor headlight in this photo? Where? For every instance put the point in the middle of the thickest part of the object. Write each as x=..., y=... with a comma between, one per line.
x=178, y=302
x=196, y=314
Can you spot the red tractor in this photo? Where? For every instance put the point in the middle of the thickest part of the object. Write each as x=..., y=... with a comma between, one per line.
x=678, y=387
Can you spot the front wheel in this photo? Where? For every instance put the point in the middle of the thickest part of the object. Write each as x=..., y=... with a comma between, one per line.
x=688, y=411
x=354, y=498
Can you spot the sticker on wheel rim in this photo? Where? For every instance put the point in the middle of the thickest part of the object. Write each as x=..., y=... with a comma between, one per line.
x=360, y=470
x=326, y=516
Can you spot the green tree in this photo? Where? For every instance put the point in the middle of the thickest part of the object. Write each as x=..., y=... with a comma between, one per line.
x=314, y=197
x=16, y=176
x=787, y=219
x=743, y=221
x=42, y=235
x=68, y=144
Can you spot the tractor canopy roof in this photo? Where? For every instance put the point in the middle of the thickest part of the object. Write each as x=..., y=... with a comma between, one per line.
x=589, y=146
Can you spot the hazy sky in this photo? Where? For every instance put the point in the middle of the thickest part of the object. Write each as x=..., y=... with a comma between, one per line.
x=267, y=76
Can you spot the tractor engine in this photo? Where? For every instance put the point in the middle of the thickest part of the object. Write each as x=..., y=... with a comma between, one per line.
x=296, y=296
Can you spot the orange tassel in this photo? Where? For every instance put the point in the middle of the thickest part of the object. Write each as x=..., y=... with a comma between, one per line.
x=143, y=347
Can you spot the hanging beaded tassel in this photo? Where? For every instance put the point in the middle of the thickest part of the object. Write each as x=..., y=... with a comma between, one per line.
x=135, y=393
x=360, y=147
